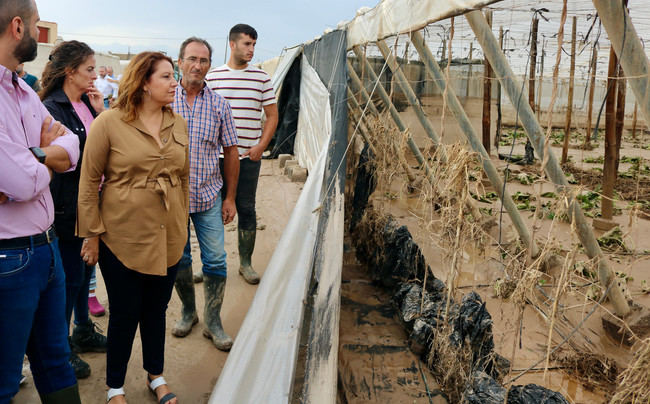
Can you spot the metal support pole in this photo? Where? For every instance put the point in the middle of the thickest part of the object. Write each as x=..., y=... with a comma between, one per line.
x=487, y=96
x=553, y=170
x=353, y=106
x=402, y=81
x=389, y=105
x=634, y=60
x=403, y=128
x=454, y=105
x=363, y=127
x=364, y=95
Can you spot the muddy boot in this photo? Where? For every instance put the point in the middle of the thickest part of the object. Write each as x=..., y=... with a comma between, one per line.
x=246, y=246
x=85, y=338
x=214, y=287
x=185, y=288
x=69, y=395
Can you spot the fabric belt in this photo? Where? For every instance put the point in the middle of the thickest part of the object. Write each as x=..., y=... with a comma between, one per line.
x=19, y=243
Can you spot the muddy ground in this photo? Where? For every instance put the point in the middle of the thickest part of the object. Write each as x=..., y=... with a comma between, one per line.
x=193, y=364
x=524, y=342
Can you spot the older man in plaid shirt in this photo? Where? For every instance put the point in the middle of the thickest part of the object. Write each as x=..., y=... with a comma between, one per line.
x=211, y=126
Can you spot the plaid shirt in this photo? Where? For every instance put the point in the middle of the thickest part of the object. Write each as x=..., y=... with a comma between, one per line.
x=210, y=126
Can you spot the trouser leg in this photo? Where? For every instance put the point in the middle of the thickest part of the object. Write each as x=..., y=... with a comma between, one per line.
x=125, y=295
x=47, y=349
x=156, y=292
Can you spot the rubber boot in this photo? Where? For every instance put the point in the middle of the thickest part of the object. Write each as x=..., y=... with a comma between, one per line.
x=214, y=287
x=185, y=288
x=69, y=395
x=246, y=246
x=86, y=339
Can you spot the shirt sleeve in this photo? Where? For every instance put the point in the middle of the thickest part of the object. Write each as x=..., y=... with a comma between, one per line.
x=23, y=178
x=268, y=93
x=69, y=142
x=185, y=176
x=89, y=221
x=227, y=129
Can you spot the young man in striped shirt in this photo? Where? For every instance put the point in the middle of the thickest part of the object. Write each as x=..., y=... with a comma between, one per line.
x=211, y=130
x=249, y=92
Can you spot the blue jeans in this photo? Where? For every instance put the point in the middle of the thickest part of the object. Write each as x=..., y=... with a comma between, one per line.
x=32, y=320
x=208, y=226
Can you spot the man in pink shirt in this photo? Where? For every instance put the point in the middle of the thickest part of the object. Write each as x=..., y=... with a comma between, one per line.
x=32, y=283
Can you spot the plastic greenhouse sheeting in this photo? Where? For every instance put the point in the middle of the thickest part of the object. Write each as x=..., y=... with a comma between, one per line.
x=283, y=67
x=392, y=17
x=314, y=118
x=261, y=363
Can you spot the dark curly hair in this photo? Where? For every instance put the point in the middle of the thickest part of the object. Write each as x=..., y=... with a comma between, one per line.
x=67, y=55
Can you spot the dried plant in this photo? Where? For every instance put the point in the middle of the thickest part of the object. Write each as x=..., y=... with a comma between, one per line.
x=634, y=382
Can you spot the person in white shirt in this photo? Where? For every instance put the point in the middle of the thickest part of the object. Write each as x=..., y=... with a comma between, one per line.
x=104, y=86
x=115, y=82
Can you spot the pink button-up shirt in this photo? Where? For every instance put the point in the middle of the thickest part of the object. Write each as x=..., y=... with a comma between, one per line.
x=23, y=179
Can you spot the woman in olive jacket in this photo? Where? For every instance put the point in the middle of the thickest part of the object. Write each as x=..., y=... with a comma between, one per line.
x=70, y=96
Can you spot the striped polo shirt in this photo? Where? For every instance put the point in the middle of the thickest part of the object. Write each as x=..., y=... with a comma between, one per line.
x=248, y=91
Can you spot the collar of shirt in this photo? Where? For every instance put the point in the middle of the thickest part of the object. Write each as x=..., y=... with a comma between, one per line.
x=10, y=80
x=168, y=120
x=183, y=91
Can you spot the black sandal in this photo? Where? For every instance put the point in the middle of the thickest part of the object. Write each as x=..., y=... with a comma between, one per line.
x=154, y=384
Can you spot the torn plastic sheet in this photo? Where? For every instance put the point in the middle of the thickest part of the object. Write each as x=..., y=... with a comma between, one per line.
x=314, y=118
x=261, y=363
x=286, y=60
x=392, y=17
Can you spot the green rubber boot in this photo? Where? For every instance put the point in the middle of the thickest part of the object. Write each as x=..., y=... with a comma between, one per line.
x=246, y=245
x=69, y=395
x=214, y=287
x=185, y=288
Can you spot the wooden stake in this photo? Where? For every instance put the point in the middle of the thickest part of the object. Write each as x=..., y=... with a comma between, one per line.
x=620, y=116
x=529, y=151
x=487, y=95
x=540, y=81
x=609, y=166
x=636, y=106
x=569, y=110
x=592, y=86
x=533, y=62
x=497, y=137
x=469, y=70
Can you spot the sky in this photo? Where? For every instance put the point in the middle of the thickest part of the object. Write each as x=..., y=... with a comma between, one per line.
x=162, y=25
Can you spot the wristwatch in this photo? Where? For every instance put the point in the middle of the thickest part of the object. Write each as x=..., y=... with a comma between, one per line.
x=39, y=154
